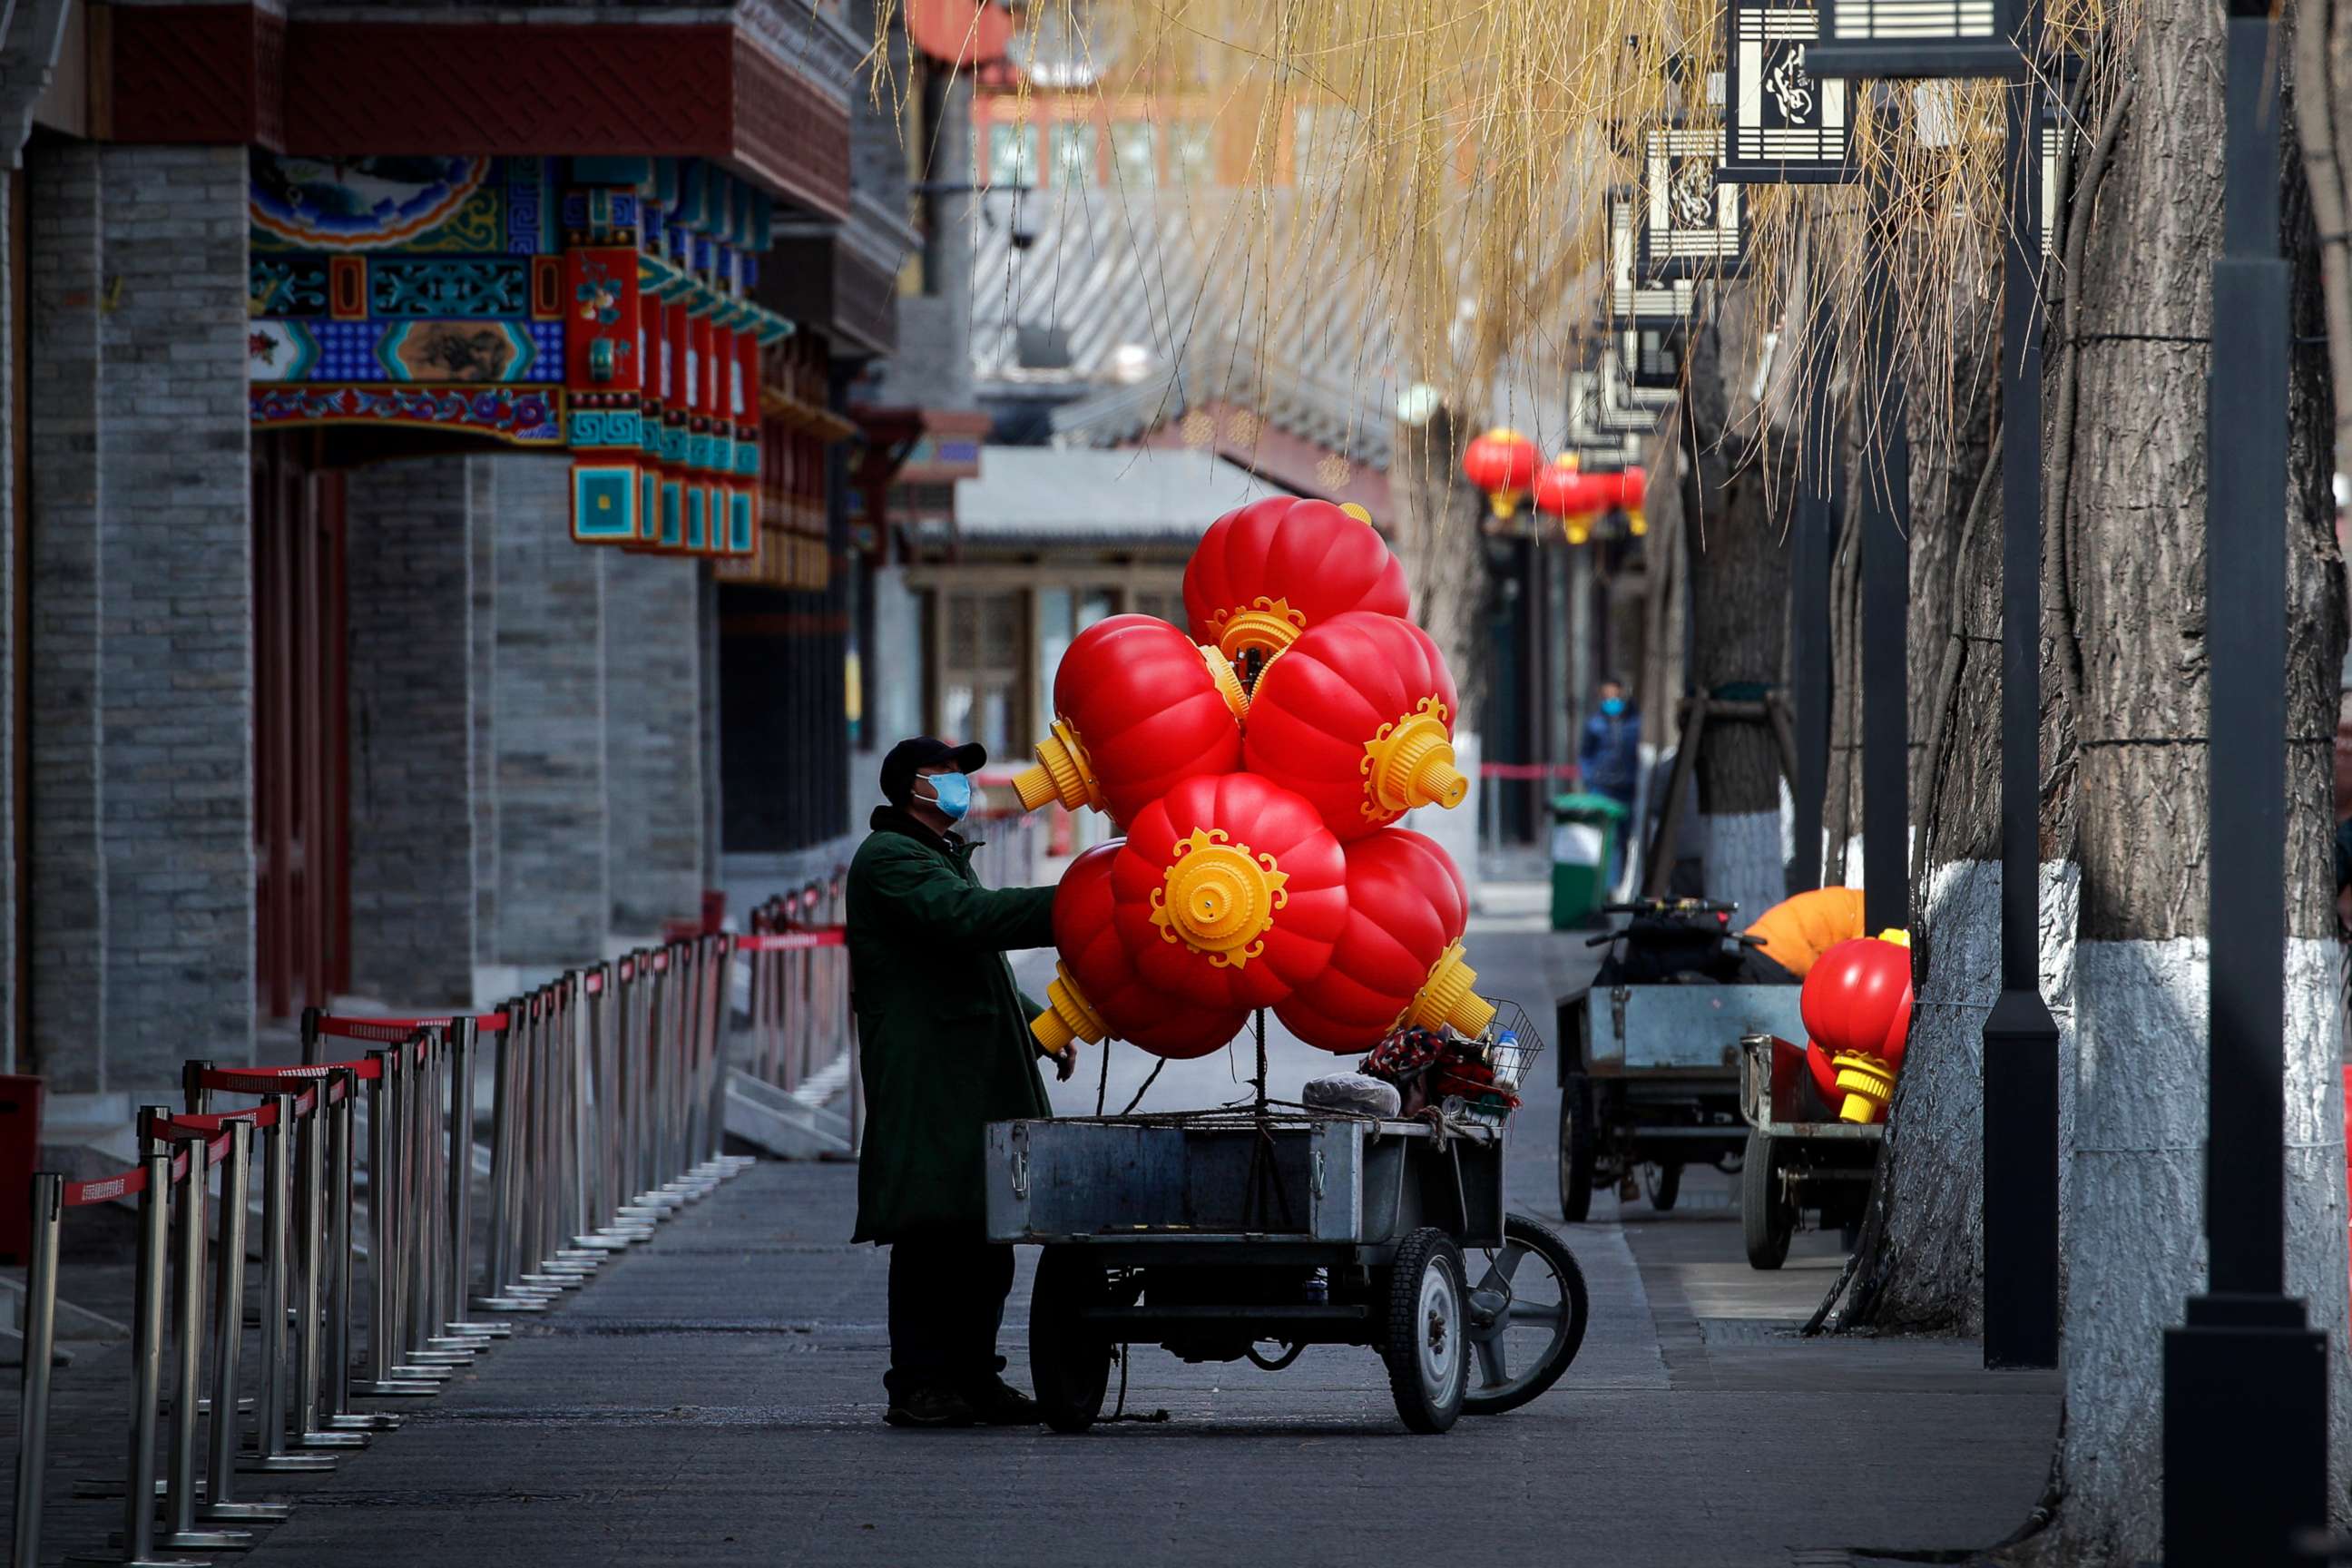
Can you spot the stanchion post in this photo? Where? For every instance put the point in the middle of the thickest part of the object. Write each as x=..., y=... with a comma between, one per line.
x=180, y=1530
x=220, y=1502
x=273, y=1425
x=148, y=1306
x=40, y=1344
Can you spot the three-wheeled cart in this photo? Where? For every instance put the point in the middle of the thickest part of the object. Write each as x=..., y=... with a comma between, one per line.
x=1798, y=1154
x=1253, y=1232
x=1649, y=1078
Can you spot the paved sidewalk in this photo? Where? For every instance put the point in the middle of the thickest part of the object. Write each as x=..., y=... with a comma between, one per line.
x=716, y=1398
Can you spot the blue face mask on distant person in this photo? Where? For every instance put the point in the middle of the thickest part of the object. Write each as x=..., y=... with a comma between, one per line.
x=1612, y=706
x=954, y=794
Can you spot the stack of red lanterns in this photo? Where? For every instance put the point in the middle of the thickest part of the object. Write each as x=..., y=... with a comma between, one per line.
x=1256, y=766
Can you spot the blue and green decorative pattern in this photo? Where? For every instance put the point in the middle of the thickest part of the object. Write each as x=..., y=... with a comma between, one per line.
x=603, y=504
x=602, y=427
x=739, y=523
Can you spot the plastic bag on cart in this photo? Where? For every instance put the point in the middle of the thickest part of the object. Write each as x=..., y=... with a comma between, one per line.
x=1353, y=1093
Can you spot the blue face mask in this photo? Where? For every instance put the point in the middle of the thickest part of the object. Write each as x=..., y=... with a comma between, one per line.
x=954, y=794
x=1612, y=706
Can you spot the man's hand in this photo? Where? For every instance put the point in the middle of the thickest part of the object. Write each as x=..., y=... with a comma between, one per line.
x=1065, y=1062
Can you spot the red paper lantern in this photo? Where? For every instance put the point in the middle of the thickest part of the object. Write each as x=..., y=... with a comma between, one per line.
x=1576, y=497
x=1097, y=993
x=1502, y=463
x=1229, y=892
x=1358, y=717
x=1857, y=1004
x=1266, y=572
x=1138, y=706
x=1399, y=957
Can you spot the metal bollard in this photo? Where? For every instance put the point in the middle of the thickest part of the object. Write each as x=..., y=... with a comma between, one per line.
x=504, y=1291
x=40, y=1344
x=274, y=1427
x=565, y=1222
x=333, y=1175
x=148, y=1299
x=384, y=1377
x=181, y=1529
x=457, y=1288
x=220, y=1502
x=392, y=1219
x=423, y=1209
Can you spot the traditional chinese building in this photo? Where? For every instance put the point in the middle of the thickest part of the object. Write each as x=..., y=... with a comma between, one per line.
x=432, y=456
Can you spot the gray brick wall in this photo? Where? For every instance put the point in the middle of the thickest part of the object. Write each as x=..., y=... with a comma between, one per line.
x=707, y=612
x=67, y=912
x=481, y=536
x=409, y=570
x=554, y=893
x=176, y=659
x=653, y=735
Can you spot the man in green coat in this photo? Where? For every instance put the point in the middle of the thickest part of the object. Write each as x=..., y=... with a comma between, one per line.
x=945, y=1048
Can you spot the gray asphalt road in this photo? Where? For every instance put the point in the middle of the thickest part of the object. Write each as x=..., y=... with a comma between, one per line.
x=715, y=1398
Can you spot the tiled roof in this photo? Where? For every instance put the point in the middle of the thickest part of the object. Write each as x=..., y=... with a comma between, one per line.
x=1061, y=495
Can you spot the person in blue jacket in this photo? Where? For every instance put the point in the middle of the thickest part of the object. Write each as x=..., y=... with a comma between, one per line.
x=1609, y=758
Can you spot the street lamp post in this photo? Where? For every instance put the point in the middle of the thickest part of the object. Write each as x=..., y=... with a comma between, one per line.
x=1972, y=39
x=2245, y=1378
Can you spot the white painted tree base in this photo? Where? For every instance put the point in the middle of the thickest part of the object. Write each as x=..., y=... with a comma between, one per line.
x=1744, y=864
x=2133, y=1238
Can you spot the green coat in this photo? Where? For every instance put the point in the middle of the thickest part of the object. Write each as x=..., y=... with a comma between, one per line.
x=942, y=1032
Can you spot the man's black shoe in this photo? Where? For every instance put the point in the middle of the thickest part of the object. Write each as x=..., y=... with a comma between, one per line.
x=998, y=1403
x=931, y=1407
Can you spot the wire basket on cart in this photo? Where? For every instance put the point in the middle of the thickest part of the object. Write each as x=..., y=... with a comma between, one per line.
x=1483, y=1081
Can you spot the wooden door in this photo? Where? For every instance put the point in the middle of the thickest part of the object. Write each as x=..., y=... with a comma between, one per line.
x=301, y=728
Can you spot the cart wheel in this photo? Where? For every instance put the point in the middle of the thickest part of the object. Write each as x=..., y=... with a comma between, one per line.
x=1665, y=1185
x=1428, y=1345
x=1069, y=1363
x=1766, y=1221
x=1576, y=1148
x=1528, y=1313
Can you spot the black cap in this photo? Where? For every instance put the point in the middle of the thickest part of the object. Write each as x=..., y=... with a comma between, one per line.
x=911, y=756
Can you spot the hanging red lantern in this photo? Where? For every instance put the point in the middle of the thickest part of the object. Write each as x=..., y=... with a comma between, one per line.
x=1097, y=993
x=1633, y=494
x=1138, y=706
x=1266, y=572
x=1857, y=1004
x=1229, y=892
x=1358, y=717
x=1563, y=491
x=1503, y=463
x=1399, y=957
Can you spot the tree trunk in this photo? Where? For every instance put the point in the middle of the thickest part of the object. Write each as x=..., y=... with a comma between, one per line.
x=1434, y=532
x=1737, y=495
x=2133, y=806
x=1919, y=1266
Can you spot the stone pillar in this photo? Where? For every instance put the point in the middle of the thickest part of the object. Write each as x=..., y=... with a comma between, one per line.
x=555, y=896
x=176, y=657
x=409, y=603
x=67, y=927
x=653, y=661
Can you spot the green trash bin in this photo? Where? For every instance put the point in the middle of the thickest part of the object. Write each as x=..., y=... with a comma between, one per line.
x=1584, y=828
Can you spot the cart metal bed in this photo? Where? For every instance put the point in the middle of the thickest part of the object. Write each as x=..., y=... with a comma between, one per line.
x=1214, y=1233
x=1797, y=1158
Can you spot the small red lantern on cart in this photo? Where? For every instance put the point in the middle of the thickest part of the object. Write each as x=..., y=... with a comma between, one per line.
x=1503, y=463
x=1229, y=892
x=1856, y=1003
x=1096, y=992
x=1266, y=572
x=1358, y=717
x=1399, y=958
x=1138, y=706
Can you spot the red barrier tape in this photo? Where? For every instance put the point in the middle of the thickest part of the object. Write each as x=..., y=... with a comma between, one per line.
x=1527, y=770
x=392, y=1031
x=793, y=940
x=260, y=1080
x=106, y=1189
x=360, y=1068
